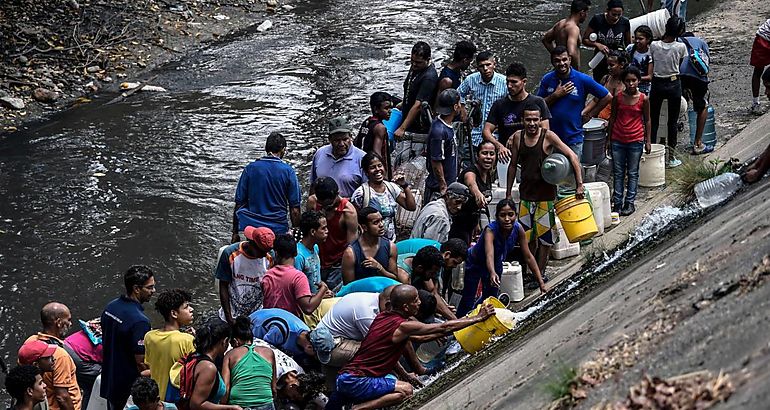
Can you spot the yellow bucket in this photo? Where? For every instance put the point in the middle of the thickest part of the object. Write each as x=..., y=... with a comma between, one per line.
x=474, y=337
x=577, y=218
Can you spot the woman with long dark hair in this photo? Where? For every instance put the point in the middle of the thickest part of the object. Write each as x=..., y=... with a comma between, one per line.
x=248, y=370
x=208, y=387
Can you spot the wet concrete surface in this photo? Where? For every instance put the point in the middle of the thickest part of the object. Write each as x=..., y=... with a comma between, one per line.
x=730, y=333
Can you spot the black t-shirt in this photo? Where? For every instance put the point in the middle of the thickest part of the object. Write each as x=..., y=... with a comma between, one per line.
x=466, y=220
x=453, y=75
x=612, y=36
x=419, y=86
x=506, y=114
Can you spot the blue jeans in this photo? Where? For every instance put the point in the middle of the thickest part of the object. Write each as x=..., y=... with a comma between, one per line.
x=625, y=162
x=470, y=284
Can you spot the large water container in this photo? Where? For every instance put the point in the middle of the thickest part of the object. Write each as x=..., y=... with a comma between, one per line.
x=557, y=170
x=511, y=281
x=604, y=171
x=715, y=190
x=594, y=141
x=709, y=136
x=604, y=190
x=655, y=20
x=563, y=248
x=652, y=167
x=392, y=124
x=662, y=133
x=596, y=196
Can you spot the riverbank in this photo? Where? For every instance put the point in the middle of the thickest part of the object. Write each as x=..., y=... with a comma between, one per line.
x=60, y=54
x=514, y=372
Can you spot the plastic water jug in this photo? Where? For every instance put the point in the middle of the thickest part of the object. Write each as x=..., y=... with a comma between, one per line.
x=709, y=136
x=715, y=190
x=511, y=281
x=557, y=170
x=604, y=171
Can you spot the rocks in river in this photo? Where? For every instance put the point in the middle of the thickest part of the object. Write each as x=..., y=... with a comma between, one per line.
x=44, y=95
x=12, y=103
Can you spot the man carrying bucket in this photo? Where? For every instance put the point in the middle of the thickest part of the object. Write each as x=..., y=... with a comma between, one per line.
x=529, y=148
x=367, y=380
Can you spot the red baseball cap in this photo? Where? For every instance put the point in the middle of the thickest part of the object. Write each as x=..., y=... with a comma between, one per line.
x=34, y=350
x=262, y=236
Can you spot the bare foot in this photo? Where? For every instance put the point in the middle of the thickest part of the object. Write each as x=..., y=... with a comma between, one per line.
x=751, y=176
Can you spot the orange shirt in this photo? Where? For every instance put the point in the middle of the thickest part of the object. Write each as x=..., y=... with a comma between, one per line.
x=63, y=374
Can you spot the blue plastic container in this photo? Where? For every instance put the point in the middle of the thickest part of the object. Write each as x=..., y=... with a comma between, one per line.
x=392, y=124
x=709, y=131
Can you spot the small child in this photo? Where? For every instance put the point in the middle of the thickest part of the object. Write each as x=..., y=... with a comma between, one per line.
x=639, y=56
x=145, y=394
x=616, y=62
x=629, y=131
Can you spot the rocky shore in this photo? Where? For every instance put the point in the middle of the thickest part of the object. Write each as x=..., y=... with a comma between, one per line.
x=57, y=54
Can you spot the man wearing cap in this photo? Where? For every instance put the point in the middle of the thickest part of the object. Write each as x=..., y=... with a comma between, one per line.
x=39, y=354
x=62, y=385
x=435, y=218
x=267, y=192
x=442, y=148
x=124, y=325
x=340, y=159
x=347, y=323
x=284, y=331
x=240, y=269
x=287, y=288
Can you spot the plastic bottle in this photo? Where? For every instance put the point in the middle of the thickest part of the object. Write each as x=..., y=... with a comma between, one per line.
x=557, y=170
x=604, y=170
x=715, y=190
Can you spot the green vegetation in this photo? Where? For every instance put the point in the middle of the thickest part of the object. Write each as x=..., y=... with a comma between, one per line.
x=694, y=171
x=565, y=379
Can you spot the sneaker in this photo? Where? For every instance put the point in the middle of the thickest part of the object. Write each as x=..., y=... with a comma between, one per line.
x=756, y=109
x=673, y=163
x=616, y=208
x=628, y=210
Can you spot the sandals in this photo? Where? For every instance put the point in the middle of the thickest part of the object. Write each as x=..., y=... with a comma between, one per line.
x=700, y=151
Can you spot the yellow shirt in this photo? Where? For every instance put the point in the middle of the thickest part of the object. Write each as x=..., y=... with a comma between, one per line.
x=161, y=350
x=312, y=320
x=63, y=374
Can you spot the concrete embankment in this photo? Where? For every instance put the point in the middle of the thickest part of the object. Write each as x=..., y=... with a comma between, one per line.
x=688, y=305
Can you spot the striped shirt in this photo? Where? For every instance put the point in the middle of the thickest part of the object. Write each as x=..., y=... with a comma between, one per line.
x=475, y=88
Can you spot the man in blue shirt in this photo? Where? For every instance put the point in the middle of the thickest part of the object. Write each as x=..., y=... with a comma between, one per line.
x=442, y=148
x=285, y=331
x=123, y=327
x=339, y=160
x=698, y=87
x=565, y=90
x=485, y=86
x=267, y=189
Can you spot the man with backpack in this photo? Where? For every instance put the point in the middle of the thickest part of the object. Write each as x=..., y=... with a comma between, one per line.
x=373, y=135
x=695, y=85
x=62, y=388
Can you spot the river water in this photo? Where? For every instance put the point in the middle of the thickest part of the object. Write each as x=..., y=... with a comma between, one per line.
x=151, y=180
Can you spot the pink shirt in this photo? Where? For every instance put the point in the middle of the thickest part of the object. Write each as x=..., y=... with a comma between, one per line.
x=81, y=344
x=282, y=286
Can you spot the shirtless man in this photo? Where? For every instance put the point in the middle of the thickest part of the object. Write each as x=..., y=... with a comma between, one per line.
x=566, y=32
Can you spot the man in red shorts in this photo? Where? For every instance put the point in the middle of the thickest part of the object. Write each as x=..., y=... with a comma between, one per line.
x=760, y=58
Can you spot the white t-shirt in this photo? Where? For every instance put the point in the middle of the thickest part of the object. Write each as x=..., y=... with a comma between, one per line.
x=666, y=58
x=764, y=30
x=351, y=317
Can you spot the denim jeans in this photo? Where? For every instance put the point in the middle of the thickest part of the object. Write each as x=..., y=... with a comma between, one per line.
x=625, y=162
x=470, y=285
x=665, y=89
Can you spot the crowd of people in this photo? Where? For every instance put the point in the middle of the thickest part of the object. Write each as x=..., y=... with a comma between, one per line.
x=332, y=289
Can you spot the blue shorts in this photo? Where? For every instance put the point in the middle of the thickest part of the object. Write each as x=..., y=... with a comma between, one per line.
x=362, y=388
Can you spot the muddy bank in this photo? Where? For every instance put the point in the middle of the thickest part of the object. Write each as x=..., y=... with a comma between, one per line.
x=57, y=54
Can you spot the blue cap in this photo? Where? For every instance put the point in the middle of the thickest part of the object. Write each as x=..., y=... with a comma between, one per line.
x=323, y=343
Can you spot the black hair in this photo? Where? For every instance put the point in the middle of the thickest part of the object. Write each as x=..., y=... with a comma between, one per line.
x=145, y=390
x=631, y=69
x=482, y=143
x=613, y=4
x=171, y=299
x=363, y=214
x=646, y=31
x=484, y=56
x=376, y=100
x=19, y=379
x=674, y=27
x=427, y=305
x=212, y=331
x=502, y=204
x=241, y=329
x=368, y=158
x=579, y=5
x=428, y=257
x=275, y=142
x=421, y=49
x=456, y=247
x=136, y=275
x=516, y=69
x=284, y=246
x=531, y=107
x=620, y=55
x=310, y=220
x=325, y=188
x=558, y=50
x=463, y=49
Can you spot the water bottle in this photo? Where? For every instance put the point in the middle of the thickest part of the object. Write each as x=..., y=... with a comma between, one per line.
x=715, y=190
x=604, y=170
x=557, y=170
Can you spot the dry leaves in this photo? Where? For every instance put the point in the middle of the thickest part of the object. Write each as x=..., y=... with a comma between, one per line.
x=698, y=390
